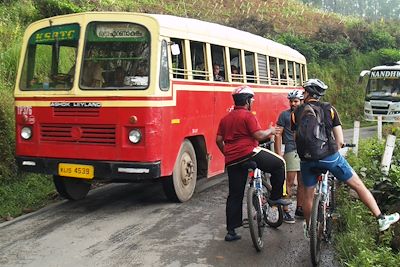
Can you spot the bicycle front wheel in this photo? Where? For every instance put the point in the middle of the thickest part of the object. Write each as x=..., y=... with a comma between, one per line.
x=255, y=218
x=273, y=215
x=316, y=230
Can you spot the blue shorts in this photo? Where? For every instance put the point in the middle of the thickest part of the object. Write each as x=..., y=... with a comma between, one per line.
x=335, y=163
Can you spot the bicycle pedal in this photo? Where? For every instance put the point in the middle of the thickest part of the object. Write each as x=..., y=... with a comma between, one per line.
x=335, y=216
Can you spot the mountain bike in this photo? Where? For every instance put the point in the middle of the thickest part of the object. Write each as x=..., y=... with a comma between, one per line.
x=259, y=211
x=322, y=212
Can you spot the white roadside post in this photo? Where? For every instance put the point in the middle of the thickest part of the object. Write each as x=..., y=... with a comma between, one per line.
x=380, y=127
x=356, y=136
x=387, y=155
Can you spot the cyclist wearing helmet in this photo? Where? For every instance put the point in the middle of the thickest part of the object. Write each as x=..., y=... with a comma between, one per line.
x=335, y=163
x=238, y=135
x=290, y=154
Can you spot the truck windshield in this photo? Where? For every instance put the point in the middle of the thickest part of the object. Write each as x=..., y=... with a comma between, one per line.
x=116, y=57
x=50, y=58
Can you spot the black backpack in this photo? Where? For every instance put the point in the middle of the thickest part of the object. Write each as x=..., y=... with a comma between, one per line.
x=312, y=135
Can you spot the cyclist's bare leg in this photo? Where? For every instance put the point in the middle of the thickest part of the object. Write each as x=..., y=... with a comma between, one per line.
x=364, y=194
x=300, y=190
x=290, y=176
x=308, y=201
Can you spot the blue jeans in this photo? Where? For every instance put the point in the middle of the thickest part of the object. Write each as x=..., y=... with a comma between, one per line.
x=335, y=163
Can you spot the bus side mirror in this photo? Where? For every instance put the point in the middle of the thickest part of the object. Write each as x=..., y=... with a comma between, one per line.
x=362, y=74
x=175, y=50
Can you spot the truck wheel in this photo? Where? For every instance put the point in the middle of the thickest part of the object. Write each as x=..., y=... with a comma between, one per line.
x=180, y=186
x=70, y=188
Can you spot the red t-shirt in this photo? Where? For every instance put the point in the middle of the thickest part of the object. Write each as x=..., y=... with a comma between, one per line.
x=237, y=130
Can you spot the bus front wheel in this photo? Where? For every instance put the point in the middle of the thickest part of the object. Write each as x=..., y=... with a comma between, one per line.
x=180, y=186
x=72, y=189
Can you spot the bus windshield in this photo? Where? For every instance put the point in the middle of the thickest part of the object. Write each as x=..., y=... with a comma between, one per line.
x=116, y=56
x=50, y=58
x=387, y=88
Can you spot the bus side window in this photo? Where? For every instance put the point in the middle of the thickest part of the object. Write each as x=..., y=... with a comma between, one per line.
x=273, y=70
x=236, y=65
x=164, y=75
x=218, y=59
x=250, y=69
x=199, y=64
x=262, y=68
x=298, y=74
x=290, y=75
x=178, y=63
x=282, y=68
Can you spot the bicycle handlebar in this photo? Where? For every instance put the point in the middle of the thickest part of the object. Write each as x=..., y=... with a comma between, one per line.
x=264, y=145
x=348, y=145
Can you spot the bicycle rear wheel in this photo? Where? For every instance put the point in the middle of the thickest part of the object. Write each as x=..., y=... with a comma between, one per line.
x=316, y=230
x=255, y=218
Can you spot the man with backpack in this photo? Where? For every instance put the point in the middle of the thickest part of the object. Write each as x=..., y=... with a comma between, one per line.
x=319, y=135
x=295, y=98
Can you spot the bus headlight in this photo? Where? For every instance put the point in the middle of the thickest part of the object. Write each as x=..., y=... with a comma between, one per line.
x=135, y=135
x=26, y=133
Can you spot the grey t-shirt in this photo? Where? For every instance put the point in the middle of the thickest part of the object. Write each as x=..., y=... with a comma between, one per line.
x=287, y=137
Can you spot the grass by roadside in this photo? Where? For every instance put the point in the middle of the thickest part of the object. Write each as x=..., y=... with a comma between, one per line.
x=25, y=195
x=358, y=241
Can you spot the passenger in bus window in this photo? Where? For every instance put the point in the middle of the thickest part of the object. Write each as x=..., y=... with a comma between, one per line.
x=235, y=73
x=92, y=75
x=274, y=79
x=217, y=76
x=387, y=86
x=119, y=76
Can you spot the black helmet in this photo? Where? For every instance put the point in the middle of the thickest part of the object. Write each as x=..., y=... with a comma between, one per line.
x=241, y=95
x=316, y=88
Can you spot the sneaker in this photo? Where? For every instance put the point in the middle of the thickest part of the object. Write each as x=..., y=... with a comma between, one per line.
x=387, y=221
x=232, y=236
x=305, y=230
x=299, y=213
x=287, y=218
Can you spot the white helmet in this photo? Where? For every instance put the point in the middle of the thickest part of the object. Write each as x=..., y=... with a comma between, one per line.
x=242, y=95
x=295, y=94
x=316, y=88
x=243, y=90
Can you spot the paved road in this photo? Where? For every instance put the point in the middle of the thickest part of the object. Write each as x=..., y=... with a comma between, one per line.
x=134, y=225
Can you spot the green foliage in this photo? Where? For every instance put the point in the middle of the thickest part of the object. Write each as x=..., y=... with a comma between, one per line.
x=357, y=241
x=8, y=168
x=370, y=37
x=50, y=8
x=388, y=55
x=27, y=193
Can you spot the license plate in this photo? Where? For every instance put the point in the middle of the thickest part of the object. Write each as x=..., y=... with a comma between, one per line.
x=76, y=170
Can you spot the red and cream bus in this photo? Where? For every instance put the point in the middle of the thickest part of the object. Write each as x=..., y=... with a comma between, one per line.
x=126, y=97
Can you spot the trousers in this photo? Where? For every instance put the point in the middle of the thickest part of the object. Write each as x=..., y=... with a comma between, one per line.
x=267, y=161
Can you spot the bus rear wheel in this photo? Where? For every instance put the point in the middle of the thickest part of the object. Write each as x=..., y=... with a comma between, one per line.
x=70, y=188
x=180, y=186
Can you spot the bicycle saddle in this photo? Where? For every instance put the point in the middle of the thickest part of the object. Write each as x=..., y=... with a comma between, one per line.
x=250, y=164
x=318, y=170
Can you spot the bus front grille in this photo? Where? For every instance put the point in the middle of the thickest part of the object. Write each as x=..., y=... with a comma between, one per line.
x=76, y=112
x=83, y=134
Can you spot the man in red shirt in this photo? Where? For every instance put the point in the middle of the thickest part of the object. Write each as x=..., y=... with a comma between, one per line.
x=238, y=135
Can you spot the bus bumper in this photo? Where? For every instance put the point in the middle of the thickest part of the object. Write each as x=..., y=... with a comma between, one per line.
x=103, y=170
